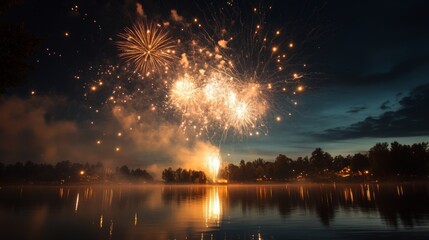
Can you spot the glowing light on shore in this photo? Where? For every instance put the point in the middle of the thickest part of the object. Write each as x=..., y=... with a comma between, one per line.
x=213, y=162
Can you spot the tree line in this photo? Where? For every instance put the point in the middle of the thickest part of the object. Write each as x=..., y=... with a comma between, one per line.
x=183, y=176
x=68, y=172
x=381, y=161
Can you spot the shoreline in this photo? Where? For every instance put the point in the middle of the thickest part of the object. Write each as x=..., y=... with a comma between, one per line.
x=233, y=184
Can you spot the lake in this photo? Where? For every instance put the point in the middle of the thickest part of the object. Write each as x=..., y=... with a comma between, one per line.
x=281, y=211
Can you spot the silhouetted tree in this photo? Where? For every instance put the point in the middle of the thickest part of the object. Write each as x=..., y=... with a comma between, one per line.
x=168, y=175
x=379, y=156
x=320, y=161
x=141, y=175
x=234, y=173
x=301, y=165
x=341, y=162
x=183, y=176
x=282, y=167
x=65, y=172
x=419, y=162
x=124, y=170
x=359, y=162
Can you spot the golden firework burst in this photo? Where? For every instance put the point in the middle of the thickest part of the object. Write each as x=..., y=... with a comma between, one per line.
x=148, y=46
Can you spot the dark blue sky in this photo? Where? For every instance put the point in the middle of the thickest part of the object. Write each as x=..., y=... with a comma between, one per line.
x=366, y=81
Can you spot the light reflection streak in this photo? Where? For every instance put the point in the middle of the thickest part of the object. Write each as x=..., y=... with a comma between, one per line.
x=399, y=190
x=214, y=200
x=77, y=203
x=101, y=221
x=111, y=228
x=213, y=207
x=61, y=193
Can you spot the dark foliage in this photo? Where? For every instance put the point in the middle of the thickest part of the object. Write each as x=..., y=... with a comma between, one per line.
x=67, y=172
x=183, y=176
x=381, y=161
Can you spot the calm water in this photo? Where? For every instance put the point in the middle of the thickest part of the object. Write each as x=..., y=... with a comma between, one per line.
x=288, y=211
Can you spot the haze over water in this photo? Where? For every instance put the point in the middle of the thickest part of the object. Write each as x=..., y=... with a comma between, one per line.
x=284, y=211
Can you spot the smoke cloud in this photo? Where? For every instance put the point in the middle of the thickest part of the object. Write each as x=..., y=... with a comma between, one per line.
x=139, y=10
x=154, y=137
x=28, y=133
x=175, y=16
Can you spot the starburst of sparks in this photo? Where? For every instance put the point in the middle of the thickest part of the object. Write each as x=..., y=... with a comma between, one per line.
x=209, y=79
x=148, y=46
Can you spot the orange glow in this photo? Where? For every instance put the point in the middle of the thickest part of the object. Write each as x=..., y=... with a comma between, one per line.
x=213, y=162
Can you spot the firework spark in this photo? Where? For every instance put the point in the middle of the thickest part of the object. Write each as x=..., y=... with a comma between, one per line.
x=148, y=46
x=213, y=162
x=184, y=94
x=212, y=80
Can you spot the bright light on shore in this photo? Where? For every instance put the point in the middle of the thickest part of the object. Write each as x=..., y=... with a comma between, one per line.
x=213, y=161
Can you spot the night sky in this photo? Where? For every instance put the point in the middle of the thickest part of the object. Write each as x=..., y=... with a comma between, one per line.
x=366, y=82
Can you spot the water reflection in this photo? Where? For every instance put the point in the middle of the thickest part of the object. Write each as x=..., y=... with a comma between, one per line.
x=214, y=212
x=214, y=203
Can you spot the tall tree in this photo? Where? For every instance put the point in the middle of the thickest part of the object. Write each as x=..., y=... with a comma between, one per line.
x=320, y=160
x=379, y=157
x=359, y=162
x=282, y=167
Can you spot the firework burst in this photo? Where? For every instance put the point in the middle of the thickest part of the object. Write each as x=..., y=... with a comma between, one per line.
x=148, y=46
x=215, y=77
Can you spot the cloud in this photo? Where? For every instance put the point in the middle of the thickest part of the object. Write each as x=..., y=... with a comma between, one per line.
x=356, y=109
x=139, y=10
x=27, y=135
x=175, y=16
x=385, y=105
x=410, y=119
x=35, y=129
x=401, y=69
